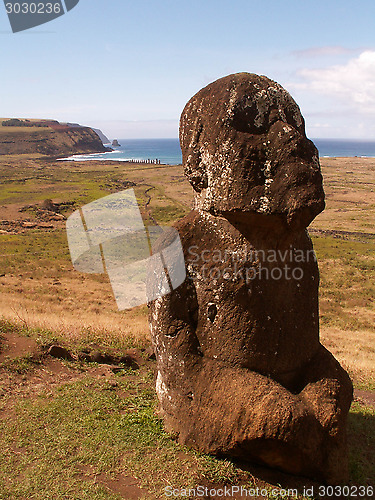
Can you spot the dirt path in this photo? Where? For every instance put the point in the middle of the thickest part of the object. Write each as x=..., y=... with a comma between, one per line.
x=344, y=235
x=45, y=377
x=365, y=397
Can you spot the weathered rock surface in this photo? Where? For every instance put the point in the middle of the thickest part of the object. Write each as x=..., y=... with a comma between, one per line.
x=241, y=371
x=244, y=149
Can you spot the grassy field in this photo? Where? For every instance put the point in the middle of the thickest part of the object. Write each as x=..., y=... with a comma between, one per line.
x=53, y=448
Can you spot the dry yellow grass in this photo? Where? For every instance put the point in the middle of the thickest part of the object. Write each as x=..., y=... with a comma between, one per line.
x=355, y=350
x=82, y=323
x=71, y=304
x=349, y=184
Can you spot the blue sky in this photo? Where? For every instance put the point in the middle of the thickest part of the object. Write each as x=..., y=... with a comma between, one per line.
x=130, y=67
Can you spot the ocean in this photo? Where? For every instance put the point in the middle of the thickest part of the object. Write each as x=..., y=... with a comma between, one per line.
x=345, y=147
x=168, y=150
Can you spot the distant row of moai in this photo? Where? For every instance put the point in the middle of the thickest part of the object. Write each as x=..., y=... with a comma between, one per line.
x=156, y=161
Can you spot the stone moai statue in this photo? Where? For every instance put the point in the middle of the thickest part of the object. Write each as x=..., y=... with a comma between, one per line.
x=241, y=371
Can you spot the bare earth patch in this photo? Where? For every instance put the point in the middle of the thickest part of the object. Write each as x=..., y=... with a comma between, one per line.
x=44, y=295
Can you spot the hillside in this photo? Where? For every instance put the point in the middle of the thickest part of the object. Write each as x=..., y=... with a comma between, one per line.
x=47, y=137
x=86, y=427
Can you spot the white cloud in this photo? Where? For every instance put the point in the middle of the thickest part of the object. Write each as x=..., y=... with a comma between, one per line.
x=125, y=129
x=329, y=50
x=320, y=125
x=352, y=83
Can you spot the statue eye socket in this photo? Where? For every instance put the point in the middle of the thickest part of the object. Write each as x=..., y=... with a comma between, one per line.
x=212, y=312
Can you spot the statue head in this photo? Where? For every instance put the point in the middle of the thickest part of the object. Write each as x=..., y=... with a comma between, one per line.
x=245, y=151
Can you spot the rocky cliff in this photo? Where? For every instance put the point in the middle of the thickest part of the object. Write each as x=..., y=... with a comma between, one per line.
x=51, y=138
x=103, y=137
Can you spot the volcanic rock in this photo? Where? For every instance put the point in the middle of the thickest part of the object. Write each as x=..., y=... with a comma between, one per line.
x=59, y=352
x=241, y=371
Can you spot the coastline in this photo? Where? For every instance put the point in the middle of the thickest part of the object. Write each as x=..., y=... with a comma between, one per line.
x=85, y=145
x=169, y=152
x=98, y=157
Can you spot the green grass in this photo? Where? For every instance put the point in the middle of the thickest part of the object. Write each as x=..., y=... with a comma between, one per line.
x=42, y=249
x=78, y=188
x=168, y=214
x=36, y=181
x=21, y=364
x=88, y=336
x=362, y=443
x=86, y=424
